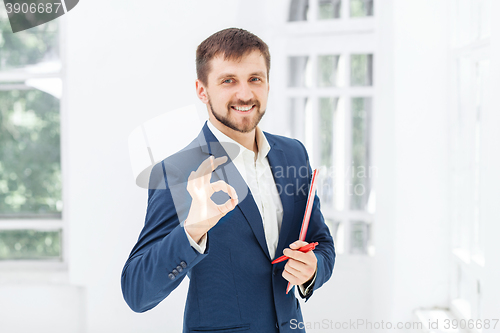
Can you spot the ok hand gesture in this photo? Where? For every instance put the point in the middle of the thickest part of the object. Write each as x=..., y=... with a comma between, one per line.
x=204, y=213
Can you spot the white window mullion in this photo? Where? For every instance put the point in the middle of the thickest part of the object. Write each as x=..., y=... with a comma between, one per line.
x=31, y=224
x=347, y=171
x=23, y=76
x=348, y=153
x=344, y=11
x=313, y=11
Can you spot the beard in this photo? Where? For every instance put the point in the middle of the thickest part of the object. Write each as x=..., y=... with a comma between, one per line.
x=247, y=124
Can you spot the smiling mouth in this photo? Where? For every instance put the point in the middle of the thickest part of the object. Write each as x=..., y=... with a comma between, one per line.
x=243, y=109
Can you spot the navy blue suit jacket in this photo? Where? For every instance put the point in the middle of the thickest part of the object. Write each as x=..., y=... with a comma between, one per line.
x=233, y=285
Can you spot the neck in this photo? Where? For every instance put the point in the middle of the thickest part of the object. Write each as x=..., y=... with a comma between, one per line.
x=247, y=140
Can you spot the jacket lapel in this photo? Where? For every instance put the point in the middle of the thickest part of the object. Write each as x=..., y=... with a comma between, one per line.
x=228, y=172
x=278, y=162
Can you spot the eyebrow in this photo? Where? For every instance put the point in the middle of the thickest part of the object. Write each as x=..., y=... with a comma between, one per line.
x=223, y=75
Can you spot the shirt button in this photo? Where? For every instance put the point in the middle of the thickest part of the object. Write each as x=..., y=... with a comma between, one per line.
x=178, y=268
x=171, y=276
x=183, y=264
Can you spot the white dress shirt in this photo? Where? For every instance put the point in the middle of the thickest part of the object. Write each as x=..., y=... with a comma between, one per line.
x=256, y=172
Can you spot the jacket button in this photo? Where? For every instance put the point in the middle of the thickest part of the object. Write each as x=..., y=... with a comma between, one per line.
x=175, y=272
x=171, y=276
x=277, y=325
x=178, y=268
x=183, y=264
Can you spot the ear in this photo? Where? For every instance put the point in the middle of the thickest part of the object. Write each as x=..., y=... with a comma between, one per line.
x=201, y=92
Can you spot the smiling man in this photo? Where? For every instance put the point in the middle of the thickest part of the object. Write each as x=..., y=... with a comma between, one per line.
x=239, y=108
x=220, y=216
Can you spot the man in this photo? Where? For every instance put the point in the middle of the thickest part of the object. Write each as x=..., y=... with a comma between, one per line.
x=220, y=215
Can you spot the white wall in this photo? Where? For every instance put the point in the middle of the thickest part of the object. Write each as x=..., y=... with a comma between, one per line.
x=412, y=234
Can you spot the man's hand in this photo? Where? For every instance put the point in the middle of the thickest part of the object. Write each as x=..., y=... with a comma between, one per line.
x=301, y=266
x=204, y=213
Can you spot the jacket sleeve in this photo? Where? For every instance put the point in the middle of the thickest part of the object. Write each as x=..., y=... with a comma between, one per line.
x=319, y=232
x=162, y=255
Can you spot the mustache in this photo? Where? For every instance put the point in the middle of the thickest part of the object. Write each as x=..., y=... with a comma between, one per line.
x=241, y=103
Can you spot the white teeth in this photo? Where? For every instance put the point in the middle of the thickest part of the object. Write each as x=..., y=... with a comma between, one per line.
x=242, y=109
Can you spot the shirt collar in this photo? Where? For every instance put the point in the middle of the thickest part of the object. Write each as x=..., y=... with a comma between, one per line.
x=262, y=143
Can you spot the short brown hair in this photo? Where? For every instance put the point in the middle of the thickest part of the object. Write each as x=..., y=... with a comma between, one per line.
x=233, y=43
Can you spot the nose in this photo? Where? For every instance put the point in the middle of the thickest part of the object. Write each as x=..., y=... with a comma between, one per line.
x=244, y=92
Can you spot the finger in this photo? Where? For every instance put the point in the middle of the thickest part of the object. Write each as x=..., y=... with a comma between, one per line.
x=206, y=167
x=300, y=256
x=302, y=271
x=194, y=183
x=289, y=276
x=218, y=161
x=227, y=206
x=211, y=163
x=296, y=266
x=190, y=184
x=297, y=244
x=221, y=185
x=232, y=192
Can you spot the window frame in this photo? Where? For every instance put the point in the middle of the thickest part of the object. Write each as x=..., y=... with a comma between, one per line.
x=342, y=36
x=476, y=48
x=51, y=222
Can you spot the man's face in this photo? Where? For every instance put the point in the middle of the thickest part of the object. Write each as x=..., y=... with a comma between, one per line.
x=237, y=91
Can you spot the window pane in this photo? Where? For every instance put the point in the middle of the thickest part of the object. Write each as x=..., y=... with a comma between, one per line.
x=297, y=107
x=361, y=171
x=39, y=44
x=361, y=69
x=298, y=10
x=299, y=71
x=327, y=107
x=30, y=168
x=361, y=8
x=331, y=71
x=329, y=9
x=30, y=244
x=360, y=237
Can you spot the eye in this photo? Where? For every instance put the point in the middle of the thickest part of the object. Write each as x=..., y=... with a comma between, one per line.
x=256, y=78
x=226, y=80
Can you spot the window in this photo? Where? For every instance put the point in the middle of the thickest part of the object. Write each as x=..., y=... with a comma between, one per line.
x=301, y=10
x=31, y=226
x=329, y=99
x=470, y=58
x=361, y=8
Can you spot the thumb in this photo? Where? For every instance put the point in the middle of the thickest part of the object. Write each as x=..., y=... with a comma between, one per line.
x=297, y=244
